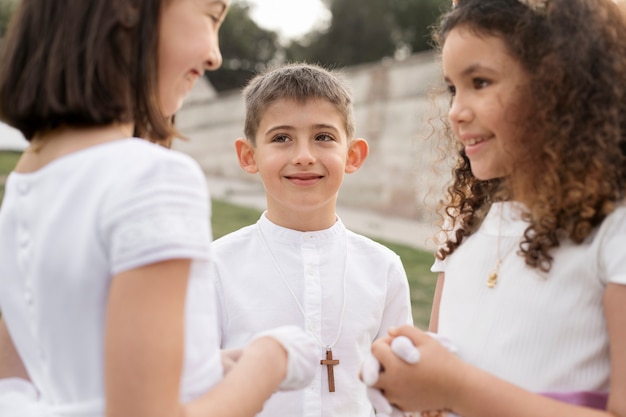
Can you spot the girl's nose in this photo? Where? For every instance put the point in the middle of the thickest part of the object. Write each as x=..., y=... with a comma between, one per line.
x=214, y=58
x=214, y=61
x=459, y=112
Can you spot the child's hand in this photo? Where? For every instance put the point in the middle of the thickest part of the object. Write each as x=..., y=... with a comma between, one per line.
x=302, y=355
x=430, y=383
x=404, y=348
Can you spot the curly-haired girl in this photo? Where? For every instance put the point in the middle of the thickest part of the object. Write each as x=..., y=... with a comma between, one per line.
x=532, y=270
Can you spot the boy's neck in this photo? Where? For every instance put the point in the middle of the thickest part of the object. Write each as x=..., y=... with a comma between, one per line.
x=311, y=221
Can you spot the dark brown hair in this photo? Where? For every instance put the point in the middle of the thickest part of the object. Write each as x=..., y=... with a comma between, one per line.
x=83, y=63
x=575, y=57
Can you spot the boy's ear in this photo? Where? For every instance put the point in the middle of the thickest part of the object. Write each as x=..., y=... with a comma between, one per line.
x=245, y=155
x=357, y=154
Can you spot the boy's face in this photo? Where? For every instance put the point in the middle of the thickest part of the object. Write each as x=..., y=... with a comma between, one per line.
x=301, y=153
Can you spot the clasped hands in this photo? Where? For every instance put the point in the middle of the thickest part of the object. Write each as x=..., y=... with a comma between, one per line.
x=398, y=372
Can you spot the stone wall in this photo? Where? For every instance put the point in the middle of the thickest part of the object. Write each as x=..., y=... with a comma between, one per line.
x=393, y=110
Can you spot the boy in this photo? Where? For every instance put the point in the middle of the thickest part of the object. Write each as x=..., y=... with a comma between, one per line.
x=298, y=264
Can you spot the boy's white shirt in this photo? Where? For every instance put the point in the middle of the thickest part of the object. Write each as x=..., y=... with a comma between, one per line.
x=252, y=297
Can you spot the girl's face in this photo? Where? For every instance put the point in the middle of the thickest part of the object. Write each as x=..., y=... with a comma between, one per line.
x=188, y=45
x=486, y=84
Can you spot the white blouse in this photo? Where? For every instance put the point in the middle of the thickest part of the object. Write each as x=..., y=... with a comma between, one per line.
x=543, y=332
x=66, y=230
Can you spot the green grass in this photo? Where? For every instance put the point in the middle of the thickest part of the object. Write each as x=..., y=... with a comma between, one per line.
x=8, y=159
x=228, y=217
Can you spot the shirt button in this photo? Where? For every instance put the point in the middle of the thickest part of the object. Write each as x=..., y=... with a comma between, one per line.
x=24, y=240
x=28, y=297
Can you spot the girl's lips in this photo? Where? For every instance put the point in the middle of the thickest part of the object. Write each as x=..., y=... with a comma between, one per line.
x=474, y=141
x=474, y=145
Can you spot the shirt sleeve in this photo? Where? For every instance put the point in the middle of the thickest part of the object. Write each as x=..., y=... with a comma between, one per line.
x=160, y=212
x=398, y=301
x=438, y=266
x=612, y=247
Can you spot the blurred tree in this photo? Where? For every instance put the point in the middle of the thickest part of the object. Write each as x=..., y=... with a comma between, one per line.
x=246, y=49
x=413, y=21
x=6, y=9
x=362, y=32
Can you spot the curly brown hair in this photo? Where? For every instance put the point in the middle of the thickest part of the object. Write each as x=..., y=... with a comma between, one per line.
x=575, y=128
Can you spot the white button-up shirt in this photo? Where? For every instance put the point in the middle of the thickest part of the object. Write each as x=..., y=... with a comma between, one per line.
x=253, y=297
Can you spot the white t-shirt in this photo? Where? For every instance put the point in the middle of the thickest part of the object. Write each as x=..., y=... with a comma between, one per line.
x=254, y=298
x=67, y=229
x=543, y=332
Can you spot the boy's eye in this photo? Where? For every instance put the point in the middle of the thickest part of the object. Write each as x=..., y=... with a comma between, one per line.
x=324, y=137
x=280, y=138
x=451, y=90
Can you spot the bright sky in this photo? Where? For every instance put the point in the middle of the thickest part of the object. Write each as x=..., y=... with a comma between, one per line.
x=290, y=18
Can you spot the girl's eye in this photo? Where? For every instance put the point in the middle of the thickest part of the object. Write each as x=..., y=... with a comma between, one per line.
x=324, y=137
x=451, y=90
x=216, y=11
x=480, y=83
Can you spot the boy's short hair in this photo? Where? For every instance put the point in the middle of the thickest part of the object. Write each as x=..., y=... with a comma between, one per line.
x=299, y=82
x=82, y=63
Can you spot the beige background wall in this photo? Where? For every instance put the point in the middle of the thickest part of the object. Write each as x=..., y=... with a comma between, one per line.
x=392, y=110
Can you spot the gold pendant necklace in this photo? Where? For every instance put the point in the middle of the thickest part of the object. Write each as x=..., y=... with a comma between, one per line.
x=492, y=279
x=493, y=276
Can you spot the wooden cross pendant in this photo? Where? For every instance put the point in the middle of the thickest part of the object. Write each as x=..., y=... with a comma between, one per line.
x=330, y=362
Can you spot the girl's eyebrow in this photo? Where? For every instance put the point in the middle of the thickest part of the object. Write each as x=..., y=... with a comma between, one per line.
x=472, y=69
x=218, y=2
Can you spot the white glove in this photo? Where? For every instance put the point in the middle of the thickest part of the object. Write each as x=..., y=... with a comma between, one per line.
x=302, y=355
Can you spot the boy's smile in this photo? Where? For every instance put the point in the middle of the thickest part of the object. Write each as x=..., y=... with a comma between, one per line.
x=302, y=153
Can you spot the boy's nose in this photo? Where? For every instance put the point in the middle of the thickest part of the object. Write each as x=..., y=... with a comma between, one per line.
x=303, y=154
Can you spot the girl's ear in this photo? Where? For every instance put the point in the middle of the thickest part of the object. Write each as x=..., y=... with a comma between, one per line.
x=357, y=154
x=245, y=155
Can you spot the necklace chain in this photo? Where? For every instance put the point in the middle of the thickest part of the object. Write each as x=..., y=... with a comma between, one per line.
x=312, y=328
x=492, y=280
